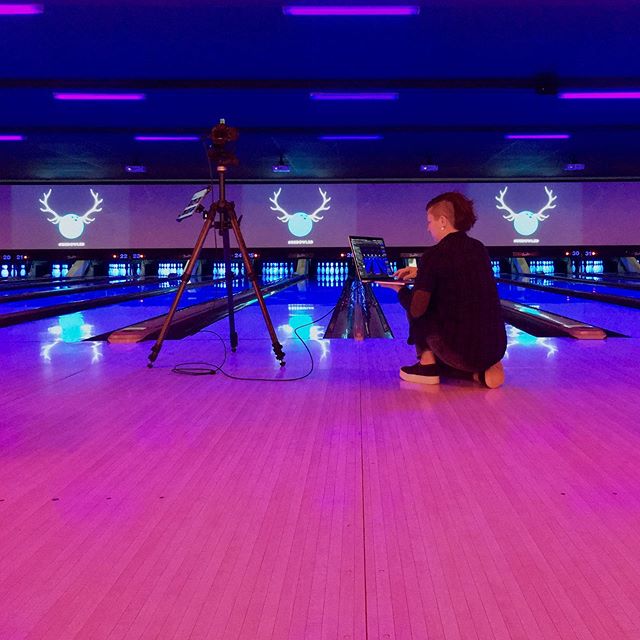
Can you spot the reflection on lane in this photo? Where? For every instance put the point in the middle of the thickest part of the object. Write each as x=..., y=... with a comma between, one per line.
x=82, y=296
x=575, y=285
x=70, y=328
x=517, y=339
x=12, y=289
x=612, y=317
x=300, y=323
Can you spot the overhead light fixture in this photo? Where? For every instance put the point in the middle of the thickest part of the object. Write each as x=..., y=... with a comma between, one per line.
x=166, y=138
x=429, y=168
x=600, y=95
x=99, y=96
x=354, y=95
x=574, y=166
x=282, y=166
x=537, y=136
x=351, y=137
x=351, y=10
x=11, y=137
x=20, y=9
x=135, y=168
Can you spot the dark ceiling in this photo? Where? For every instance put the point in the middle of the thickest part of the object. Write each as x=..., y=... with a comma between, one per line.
x=466, y=72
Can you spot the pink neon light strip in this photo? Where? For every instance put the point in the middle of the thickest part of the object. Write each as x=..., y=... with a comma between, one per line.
x=600, y=95
x=166, y=138
x=11, y=138
x=537, y=136
x=351, y=10
x=20, y=9
x=99, y=96
x=351, y=137
x=325, y=95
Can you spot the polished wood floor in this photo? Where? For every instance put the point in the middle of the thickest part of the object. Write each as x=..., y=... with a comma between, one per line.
x=138, y=503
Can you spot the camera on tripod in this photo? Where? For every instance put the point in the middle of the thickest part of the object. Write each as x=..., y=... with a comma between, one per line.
x=221, y=215
x=221, y=135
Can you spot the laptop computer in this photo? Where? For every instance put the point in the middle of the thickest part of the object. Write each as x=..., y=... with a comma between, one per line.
x=371, y=260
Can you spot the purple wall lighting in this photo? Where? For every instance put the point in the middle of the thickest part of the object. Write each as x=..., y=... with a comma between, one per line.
x=600, y=95
x=429, y=168
x=166, y=138
x=20, y=9
x=99, y=96
x=11, y=138
x=135, y=168
x=537, y=136
x=380, y=95
x=351, y=137
x=574, y=166
x=351, y=10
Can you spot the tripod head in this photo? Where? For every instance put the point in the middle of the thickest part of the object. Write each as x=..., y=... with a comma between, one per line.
x=221, y=135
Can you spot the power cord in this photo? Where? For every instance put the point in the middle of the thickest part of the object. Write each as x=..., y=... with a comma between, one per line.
x=208, y=369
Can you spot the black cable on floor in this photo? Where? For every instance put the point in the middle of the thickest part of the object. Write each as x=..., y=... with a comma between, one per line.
x=207, y=368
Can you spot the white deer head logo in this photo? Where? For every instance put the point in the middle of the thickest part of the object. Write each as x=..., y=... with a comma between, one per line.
x=71, y=225
x=300, y=223
x=525, y=222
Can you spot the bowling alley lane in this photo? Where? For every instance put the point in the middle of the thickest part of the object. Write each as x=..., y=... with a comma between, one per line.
x=300, y=301
x=84, y=295
x=601, y=287
x=624, y=320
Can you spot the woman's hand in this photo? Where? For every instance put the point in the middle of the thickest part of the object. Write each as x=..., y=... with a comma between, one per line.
x=406, y=273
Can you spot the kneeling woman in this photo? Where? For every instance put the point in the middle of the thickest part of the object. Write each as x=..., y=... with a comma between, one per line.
x=455, y=320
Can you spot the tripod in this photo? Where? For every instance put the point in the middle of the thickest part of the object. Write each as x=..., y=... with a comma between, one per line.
x=227, y=220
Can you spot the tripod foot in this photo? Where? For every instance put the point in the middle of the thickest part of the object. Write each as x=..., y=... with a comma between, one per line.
x=277, y=349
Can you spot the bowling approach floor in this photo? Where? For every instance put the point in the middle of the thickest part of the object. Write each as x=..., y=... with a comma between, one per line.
x=139, y=503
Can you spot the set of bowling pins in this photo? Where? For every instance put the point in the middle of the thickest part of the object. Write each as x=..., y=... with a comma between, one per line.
x=332, y=269
x=13, y=271
x=542, y=266
x=495, y=266
x=123, y=269
x=59, y=270
x=237, y=268
x=277, y=269
x=165, y=269
x=593, y=266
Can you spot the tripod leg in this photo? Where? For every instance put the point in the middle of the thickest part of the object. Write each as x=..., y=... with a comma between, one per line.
x=277, y=347
x=233, y=336
x=186, y=276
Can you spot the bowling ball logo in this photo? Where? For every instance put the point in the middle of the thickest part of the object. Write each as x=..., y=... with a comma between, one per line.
x=300, y=223
x=525, y=222
x=71, y=225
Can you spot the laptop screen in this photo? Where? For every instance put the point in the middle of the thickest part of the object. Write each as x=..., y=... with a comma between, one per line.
x=370, y=258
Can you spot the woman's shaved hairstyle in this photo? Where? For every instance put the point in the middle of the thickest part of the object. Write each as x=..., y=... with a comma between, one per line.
x=464, y=217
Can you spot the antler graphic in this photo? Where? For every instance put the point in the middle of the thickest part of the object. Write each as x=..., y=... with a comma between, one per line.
x=512, y=214
x=323, y=207
x=96, y=208
x=549, y=205
x=286, y=217
x=47, y=209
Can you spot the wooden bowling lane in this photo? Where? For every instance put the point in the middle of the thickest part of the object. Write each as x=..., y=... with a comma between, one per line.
x=138, y=503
